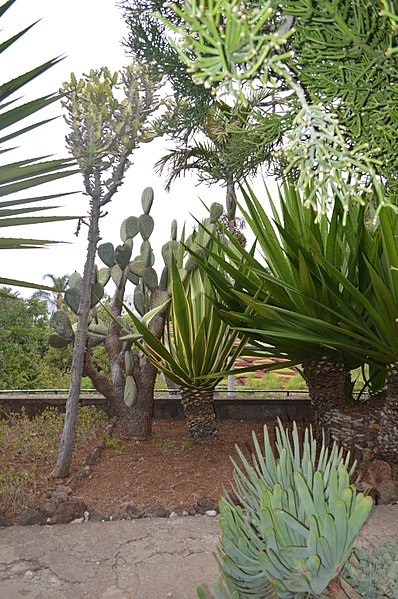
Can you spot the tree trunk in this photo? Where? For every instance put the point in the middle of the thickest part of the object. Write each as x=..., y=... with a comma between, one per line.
x=330, y=388
x=200, y=415
x=136, y=420
x=68, y=434
x=388, y=435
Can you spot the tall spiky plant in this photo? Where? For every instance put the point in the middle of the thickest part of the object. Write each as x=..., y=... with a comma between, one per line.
x=196, y=343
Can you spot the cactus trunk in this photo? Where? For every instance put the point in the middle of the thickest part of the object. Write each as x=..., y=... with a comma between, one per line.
x=388, y=435
x=330, y=388
x=200, y=415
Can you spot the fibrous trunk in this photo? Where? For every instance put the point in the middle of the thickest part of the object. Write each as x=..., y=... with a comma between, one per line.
x=200, y=415
x=388, y=435
x=330, y=388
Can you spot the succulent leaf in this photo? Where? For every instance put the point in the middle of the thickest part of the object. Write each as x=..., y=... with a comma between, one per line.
x=137, y=266
x=103, y=275
x=61, y=324
x=130, y=391
x=76, y=281
x=150, y=278
x=123, y=255
x=129, y=228
x=147, y=200
x=97, y=293
x=116, y=274
x=146, y=224
x=58, y=342
x=139, y=301
x=72, y=299
x=145, y=252
x=106, y=252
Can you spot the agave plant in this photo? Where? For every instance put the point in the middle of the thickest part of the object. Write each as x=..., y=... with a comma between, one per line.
x=25, y=174
x=293, y=520
x=196, y=344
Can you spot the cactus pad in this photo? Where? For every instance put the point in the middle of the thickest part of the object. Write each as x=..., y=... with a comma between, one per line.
x=137, y=266
x=75, y=281
x=123, y=255
x=72, y=299
x=61, y=324
x=147, y=224
x=129, y=228
x=106, y=252
x=139, y=302
x=58, y=342
x=147, y=200
x=174, y=230
x=150, y=278
x=97, y=293
x=130, y=391
x=103, y=275
x=116, y=274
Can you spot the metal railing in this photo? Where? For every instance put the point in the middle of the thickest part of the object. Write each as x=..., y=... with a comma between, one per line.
x=219, y=392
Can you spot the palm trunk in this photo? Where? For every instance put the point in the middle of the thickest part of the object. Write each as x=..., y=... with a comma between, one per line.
x=330, y=388
x=200, y=415
x=388, y=435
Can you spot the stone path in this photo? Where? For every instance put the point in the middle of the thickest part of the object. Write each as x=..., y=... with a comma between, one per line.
x=134, y=559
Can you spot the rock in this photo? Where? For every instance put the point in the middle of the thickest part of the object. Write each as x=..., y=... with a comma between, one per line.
x=48, y=509
x=31, y=517
x=379, y=472
x=204, y=504
x=387, y=493
x=157, y=512
x=68, y=511
x=185, y=510
x=83, y=473
x=3, y=520
x=95, y=515
x=211, y=513
x=93, y=456
x=128, y=511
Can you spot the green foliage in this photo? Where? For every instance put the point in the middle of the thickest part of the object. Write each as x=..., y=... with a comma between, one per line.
x=296, y=520
x=33, y=445
x=25, y=174
x=196, y=343
x=24, y=326
x=374, y=574
x=112, y=442
x=334, y=66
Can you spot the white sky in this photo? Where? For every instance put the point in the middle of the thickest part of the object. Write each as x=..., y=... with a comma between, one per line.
x=89, y=33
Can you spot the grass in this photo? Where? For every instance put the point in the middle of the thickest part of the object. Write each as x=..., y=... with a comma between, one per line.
x=29, y=449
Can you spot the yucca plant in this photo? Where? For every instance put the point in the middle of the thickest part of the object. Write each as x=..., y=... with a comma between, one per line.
x=196, y=344
x=283, y=300
x=25, y=174
x=291, y=523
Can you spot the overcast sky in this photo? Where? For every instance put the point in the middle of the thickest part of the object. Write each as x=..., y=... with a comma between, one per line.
x=89, y=34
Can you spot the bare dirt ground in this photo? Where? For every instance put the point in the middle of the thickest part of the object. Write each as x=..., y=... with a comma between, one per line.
x=167, y=469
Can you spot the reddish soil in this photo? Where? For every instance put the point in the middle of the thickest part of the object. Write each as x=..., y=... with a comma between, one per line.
x=166, y=469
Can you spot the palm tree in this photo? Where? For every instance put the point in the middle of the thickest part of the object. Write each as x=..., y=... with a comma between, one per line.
x=25, y=174
x=56, y=297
